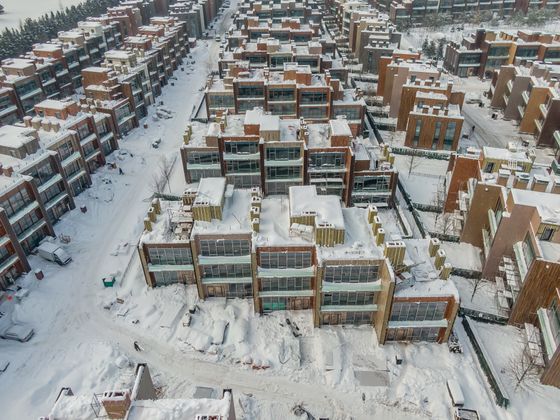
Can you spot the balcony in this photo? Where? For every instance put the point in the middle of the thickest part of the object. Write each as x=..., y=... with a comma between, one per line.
x=349, y=308
x=8, y=263
x=89, y=138
x=525, y=96
x=486, y=242
x=31, y=94
x=55, y=200
x=544, y=110
x=550, y=343
x=269, y=273
x=193, y=166
x=436, y=323
x=21, y=213
x=520, y=260
x=509, y=86
x=287, y=293
x=539, y=125
x=328, y=287
x=241, y=156
x=224, y=259
x=158, y=268
x=46, y=185
x=492, y=223
x=283, y=163
x=227, y=280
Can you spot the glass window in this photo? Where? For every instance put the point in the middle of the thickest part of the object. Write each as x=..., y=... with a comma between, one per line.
x=225, y=247
x=170, y=256
x=285, y=259
x=351, y=273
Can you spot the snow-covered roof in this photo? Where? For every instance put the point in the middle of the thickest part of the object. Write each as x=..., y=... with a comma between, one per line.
x=166, y=409
x=211, y=191
x=340, y=127
x=547, y=204
x=358, y=239
x=304, y=201
x=14, y=137
x=497, y=153
x=173, y=224
x=422, y=279
x=235, y=216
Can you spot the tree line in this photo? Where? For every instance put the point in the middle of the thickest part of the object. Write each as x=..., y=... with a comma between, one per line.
x=17, y=41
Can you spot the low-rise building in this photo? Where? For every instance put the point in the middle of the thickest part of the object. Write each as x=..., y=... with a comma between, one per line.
x=261, y=150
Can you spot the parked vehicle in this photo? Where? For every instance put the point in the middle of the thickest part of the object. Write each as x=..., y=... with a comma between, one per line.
x=218, y=38
x=54, y=253
x=466, y=414
x=455, y=392
x=17, y=332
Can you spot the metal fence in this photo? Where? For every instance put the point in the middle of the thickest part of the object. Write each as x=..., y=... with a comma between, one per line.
x=500, y=393
x=430, y=154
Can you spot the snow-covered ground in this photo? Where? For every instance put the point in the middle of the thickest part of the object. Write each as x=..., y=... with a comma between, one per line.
x=16, y=11
x=85, y=332
x=422, y=177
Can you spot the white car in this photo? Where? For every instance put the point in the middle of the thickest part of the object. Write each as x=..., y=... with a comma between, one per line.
x=17, y=332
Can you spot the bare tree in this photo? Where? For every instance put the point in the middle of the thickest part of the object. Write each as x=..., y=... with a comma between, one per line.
x=476, y=283
x=523, y=367
x=413, y=163
x=165, y=170
x=157, y=184
x=162, y=176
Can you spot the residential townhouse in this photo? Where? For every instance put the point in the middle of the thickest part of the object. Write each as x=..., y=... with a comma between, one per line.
x=23, y=154
x=271, y=53
x=293, y=93
x=434, y=127
x=251, y=28
x=23, y=210
x=509, y=208
x=137, y=399
x=483, y=52
x=299, y=251
x=413, y=11
x=10, y=111
x=530, y=95
x=20, y=75
x=262, y=150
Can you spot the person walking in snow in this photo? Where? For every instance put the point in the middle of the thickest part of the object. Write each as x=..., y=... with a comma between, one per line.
x=137, y=346
x=121, y=171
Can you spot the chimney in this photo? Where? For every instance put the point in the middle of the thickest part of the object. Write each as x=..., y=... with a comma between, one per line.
x=433, y=247
x=148, y=224
x=440, y=259
x=36, y=123
x=27, y=120
x=46, y=124
x=55, y=126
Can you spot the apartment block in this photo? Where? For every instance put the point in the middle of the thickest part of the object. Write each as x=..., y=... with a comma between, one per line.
x=436, y=127
x=24, y=213
x=21, y=154
x=483, y=52
x=10, y=112
x=425, y=303
x=303, y=250
x=262, y=150
x=529, y=94
x=411, y=11
x=271, y=53
x=397, y=74
x=20, y=75
x=420, y=92
x=295, y=92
